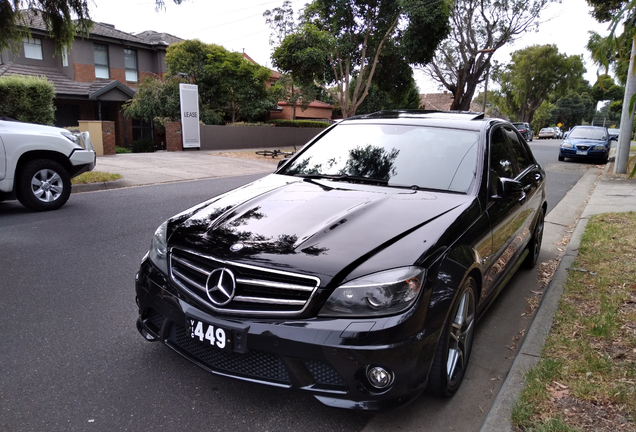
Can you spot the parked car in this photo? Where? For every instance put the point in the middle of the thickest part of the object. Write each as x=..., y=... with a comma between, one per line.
x=547, y=132
x=357, y=270
x=558, y=132
x=587, y=142
x=613, y=133
x=525, y=130
x=37, y=163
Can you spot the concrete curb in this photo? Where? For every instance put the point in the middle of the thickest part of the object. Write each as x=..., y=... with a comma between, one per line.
x=498, y=418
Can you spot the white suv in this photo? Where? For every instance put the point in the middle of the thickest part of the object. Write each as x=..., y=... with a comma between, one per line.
x=37, y=163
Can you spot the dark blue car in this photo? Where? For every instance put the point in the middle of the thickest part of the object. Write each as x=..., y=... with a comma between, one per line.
x=586, y=142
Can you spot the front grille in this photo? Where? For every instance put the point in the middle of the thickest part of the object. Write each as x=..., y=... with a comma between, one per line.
x=258, y=291
x=256, y=365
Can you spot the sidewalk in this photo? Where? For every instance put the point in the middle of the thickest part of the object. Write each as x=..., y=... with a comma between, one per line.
x=610, y=195
x=139, y=169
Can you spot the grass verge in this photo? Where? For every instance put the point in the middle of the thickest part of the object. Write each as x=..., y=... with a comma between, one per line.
x=586, y=378
x=94, y=177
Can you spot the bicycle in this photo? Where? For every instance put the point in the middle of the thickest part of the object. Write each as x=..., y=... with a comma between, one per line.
x=275, y=153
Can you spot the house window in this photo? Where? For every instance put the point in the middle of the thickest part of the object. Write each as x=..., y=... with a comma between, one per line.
x=101, y=61
x=130, y=63
x=64, y=56
x=32, y=48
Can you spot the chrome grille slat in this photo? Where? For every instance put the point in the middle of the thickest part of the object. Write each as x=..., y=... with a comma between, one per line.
x=190, y=281
x=274, y=285
x=190, y=265
x=268, y=301
x=259, y=291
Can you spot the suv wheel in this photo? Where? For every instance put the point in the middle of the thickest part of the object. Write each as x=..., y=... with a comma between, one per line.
x=42, y=185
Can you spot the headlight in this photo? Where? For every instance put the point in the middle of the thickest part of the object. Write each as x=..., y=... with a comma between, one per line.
x=158, y=252
x=566, y=145
x=600, y=147
x=72, y=138
x=384, y=293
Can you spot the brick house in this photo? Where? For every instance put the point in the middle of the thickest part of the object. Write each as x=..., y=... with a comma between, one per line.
x=94, y=76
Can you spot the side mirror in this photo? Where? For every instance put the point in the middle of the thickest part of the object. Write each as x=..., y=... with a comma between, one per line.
x=613, y=138
x=508, y=189
x=282, y=163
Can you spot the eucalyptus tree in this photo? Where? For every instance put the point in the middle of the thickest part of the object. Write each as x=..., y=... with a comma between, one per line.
x=479, y=29
x=339, y=43
x=535, y=73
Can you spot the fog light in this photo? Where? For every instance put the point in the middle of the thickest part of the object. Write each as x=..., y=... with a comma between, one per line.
x=379, y=377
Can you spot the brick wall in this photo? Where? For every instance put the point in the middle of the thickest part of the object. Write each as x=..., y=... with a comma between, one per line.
x=84, y=72
x=108, y=137
x=145, y=74
x=174, y=140
x=118, y=75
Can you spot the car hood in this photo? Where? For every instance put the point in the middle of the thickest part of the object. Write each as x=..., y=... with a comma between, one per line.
x=30, y=128
x=316, y=226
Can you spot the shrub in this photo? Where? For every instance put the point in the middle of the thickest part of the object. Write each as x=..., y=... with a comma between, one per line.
x=122, y=150
x=299, y=123
x=27, y=99
x=143, y=145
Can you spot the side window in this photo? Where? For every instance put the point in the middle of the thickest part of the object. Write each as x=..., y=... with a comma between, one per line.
x=520, y=160
x=500, y=161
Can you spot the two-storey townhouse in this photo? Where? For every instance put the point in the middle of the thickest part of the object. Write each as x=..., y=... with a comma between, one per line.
x=94, y=76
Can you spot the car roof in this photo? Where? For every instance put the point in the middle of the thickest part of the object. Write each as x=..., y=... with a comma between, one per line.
x=452, y=119
x=589, y=127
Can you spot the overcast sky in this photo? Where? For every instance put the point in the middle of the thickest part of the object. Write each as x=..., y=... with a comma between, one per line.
x=239, y=25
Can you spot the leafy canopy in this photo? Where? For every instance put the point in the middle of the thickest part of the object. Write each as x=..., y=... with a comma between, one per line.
x=339, y=43
x=535, y=73
x=228, y=82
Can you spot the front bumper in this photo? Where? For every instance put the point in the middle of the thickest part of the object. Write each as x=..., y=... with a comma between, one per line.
x=586, y=154
x=325, y=357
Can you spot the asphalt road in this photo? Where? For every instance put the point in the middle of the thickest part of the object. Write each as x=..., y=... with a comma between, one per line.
x=72, y=360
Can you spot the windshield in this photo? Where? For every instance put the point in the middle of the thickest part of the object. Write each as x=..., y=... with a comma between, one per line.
x=588, y=133
x=411, y=156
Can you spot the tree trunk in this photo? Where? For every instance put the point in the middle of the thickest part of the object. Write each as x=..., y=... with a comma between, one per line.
x=627, y=119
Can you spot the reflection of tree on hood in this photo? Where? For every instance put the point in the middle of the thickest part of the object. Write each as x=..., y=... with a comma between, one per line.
x=371, y=161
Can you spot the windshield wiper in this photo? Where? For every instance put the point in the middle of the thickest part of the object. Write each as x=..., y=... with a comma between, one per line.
x=426, y=189
x=343, y=177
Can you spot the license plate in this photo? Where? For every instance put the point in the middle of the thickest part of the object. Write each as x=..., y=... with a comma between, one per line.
x=209, y=334
x=581, y=152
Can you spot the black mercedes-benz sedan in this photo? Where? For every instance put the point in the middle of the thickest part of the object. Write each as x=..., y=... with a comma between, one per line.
x=357, y=270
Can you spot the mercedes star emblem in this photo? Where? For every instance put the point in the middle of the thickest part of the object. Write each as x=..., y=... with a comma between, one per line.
x=237, y=247
x=221, y=286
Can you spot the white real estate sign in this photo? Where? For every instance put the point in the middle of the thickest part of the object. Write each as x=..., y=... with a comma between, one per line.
x=189, y=97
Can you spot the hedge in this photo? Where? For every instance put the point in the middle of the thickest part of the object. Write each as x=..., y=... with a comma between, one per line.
x=27, y=99
x=299, y=123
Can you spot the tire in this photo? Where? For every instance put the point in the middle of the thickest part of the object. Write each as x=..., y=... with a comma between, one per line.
x=455, y=344
x=42, y=185
x=534, y=247
x=561, y=158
